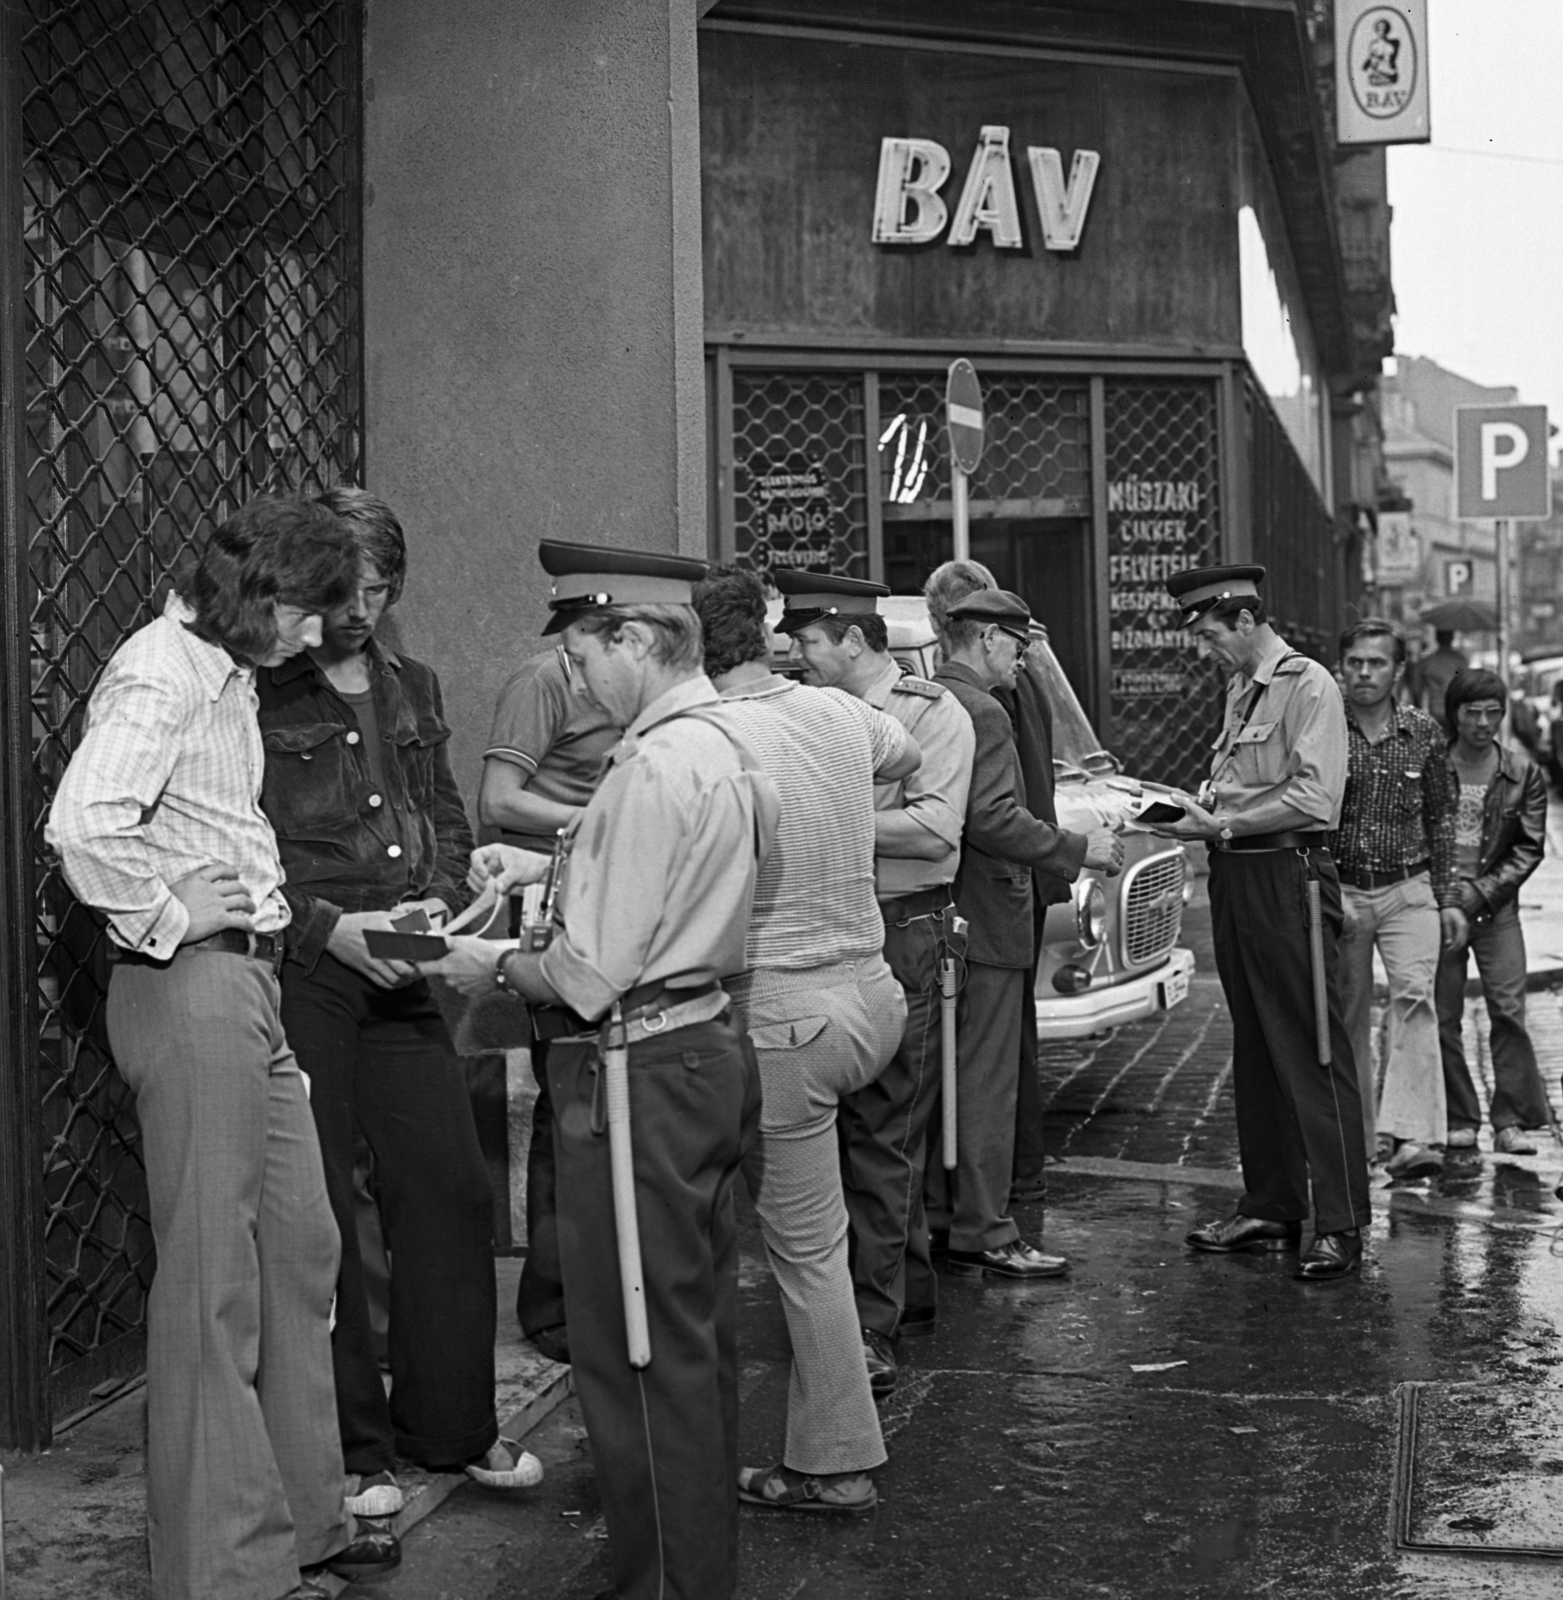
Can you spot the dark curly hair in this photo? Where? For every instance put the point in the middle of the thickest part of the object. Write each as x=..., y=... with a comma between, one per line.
x=270, y=552
x=731, y=605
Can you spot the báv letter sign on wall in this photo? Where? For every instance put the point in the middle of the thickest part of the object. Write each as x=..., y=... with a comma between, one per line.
x=908, y=208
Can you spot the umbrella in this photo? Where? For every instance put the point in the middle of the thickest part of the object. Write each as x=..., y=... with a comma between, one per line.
x=1461, y=616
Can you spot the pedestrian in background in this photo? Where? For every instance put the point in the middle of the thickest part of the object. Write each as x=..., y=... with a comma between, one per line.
x=984, y=637
x=842, y=642
x=159, y=827
x=1395, y=854
x=1278, y=775
x=825, y=1014
x=546, y=752
x=1500, y=837
x=1435, y=672
x=371, y=825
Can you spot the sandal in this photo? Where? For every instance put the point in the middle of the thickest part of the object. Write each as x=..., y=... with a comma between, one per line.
x=524, y=1472
x=782, y=1489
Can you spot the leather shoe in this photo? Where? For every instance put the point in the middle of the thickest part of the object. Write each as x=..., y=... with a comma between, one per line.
x=917, y=1322
x=1017, y=1259
x=881, y=1363
x=308, y=1590
x=938, y=1241
x=552, y=1342
x=1331, y=1255
x=373, y=1548
x=1024, y=1190
x=1238, y=1232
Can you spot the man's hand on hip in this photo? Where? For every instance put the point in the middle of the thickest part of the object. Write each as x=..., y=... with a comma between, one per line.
x=215, y=899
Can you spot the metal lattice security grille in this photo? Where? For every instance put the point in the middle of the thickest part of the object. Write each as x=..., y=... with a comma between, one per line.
x=192, y=334
x=1036, y=455
x=798, y=471
x=1293, y=536
x=1163, y=514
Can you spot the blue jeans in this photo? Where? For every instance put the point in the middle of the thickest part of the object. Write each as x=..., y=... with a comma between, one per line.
x=1519, y=1097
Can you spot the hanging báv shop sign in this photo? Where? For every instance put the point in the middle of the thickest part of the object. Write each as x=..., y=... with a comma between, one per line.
x=794, y=513
x=1151, y=523
x=1381, y=72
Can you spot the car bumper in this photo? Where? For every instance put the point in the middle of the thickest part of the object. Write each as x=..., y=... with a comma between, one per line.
x=1073, y=1016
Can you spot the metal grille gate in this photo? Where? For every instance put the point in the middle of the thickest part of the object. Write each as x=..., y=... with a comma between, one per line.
x=189, y=215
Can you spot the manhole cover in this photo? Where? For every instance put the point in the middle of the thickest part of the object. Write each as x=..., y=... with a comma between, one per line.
x=1480, y=1470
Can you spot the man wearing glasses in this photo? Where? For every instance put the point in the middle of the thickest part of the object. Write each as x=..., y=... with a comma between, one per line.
x=1500, y=837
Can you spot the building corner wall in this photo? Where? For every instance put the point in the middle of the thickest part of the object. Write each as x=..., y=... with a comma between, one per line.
x=532, y=310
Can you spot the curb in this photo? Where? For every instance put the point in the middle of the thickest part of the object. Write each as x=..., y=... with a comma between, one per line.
x=428, y=1497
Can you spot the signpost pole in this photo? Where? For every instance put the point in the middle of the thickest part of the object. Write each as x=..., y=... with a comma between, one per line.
x=1501, y=556
x=960, y=507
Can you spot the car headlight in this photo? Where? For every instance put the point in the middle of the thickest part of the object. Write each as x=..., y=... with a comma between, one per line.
x=1091, y=913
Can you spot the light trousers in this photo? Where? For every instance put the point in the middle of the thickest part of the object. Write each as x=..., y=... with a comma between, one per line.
x=1401, y=919
x=817, y=1034
x=244, y=1461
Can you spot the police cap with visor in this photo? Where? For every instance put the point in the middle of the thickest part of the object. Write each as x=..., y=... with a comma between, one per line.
x=809, y=596
x=590, y=576
x=1200, y=588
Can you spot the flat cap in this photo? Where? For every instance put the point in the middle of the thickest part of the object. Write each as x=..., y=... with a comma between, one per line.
x=808, y=596
x=1199, y=588
x=587, y=576
x=998, y=607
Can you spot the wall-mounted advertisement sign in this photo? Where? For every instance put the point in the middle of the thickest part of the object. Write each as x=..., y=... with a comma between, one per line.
x=1399, y=552
x=910, y=210
x=794, y=508
x=1381, y=72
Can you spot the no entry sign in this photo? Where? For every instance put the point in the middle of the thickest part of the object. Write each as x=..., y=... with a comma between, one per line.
x=963, y=414
x=1500, y=462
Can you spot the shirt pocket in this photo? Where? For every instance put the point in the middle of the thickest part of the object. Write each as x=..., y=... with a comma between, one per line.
x=310, y=779
x=1406, y=801
x=1259, y=755
x=417, y=741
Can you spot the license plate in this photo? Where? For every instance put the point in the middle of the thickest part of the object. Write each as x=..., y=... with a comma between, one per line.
x=1174, y=989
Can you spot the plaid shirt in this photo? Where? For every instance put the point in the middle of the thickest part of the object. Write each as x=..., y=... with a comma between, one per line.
x=1400, y=801
x=166, y=780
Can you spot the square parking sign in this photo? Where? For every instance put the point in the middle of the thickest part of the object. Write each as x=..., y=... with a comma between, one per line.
x=1500, y=463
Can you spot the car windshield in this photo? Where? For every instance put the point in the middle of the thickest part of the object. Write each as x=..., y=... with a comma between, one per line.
x=1075, y=744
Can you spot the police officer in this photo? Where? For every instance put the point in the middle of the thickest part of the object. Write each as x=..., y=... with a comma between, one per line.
x=652, y=917
x=842, y=642
x=1274, y=794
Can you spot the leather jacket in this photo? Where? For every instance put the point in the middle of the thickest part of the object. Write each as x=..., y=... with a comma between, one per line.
x=1514, y=829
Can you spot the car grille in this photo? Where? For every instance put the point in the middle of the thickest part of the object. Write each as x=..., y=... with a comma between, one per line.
x=1152, y=909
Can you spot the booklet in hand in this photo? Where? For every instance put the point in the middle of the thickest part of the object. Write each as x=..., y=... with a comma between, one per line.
x=415, y=938
x=1158, y=813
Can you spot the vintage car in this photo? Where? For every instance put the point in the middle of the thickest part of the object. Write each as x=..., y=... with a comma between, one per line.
x=1110, y=952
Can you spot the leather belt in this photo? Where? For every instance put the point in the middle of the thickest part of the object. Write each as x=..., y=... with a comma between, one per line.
x=560, y=1022
x=1289, y=840
x=909, y=907
x=267, y=947
x=1379, y=879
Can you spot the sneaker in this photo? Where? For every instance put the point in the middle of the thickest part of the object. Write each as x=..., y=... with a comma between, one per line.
x=1514, y=1142
x=376, y=1495
x=1461, y=1139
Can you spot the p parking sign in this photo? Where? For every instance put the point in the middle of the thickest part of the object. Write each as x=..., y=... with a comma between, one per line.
x=1500, y=463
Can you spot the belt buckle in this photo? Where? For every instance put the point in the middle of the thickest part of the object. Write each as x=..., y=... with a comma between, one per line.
x=655, y=1023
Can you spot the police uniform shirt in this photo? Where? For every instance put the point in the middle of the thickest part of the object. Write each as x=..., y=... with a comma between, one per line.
x=661, y=871
x=936, y=793
x=1280, y=762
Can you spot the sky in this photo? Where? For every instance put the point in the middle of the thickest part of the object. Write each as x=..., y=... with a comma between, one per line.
x=1477, y=239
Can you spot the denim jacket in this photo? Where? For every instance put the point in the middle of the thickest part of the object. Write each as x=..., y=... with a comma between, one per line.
x=337, y=835
x=1514, y=829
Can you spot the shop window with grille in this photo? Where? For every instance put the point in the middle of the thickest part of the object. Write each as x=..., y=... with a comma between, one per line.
x=799, y=489
x=191, y=324
x=1163, y=514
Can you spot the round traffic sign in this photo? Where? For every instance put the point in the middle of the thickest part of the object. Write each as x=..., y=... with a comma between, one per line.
x=963, y=414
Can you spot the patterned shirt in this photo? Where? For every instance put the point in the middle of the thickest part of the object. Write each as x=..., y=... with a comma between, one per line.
x=1400, y=801
x=660, y=878
x=814, y=900
x=166, y=780
x=936, y=793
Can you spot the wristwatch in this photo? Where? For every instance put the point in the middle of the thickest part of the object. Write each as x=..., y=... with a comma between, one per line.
x=501, y=982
